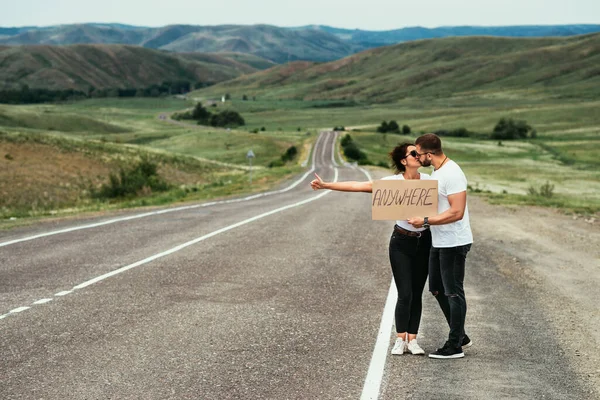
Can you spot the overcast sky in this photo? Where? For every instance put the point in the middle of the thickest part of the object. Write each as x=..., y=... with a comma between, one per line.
x=364, y=14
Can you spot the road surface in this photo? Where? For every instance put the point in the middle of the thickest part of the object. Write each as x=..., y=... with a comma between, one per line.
x=277, y=296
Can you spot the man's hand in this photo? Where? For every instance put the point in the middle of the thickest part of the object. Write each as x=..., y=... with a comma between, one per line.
x=417, y=222
x=318, y=183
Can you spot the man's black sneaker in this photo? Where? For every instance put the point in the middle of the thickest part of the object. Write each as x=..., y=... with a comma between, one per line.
x=466, y=342
x=447, y=352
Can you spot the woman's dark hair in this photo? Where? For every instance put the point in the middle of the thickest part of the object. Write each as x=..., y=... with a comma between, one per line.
x=397, y=155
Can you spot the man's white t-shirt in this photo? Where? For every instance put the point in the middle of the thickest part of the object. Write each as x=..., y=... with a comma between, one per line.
x=403, y=223
x=451, y=180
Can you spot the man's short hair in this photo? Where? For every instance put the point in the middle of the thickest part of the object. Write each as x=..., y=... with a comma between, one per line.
x=429, y=142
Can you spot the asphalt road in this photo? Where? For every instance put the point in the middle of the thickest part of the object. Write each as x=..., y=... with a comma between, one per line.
x=280, y=296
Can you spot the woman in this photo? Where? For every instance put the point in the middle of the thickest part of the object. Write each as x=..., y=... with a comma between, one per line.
x=408, y=249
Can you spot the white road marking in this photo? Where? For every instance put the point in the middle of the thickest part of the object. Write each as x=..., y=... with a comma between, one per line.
x=333, y=149
x=18, y=310
x=168, y=210
x=376, y=367
x=182, y=246
x=42, y=301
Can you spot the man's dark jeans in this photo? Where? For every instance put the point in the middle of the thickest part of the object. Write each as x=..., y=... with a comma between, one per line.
x=446, y=282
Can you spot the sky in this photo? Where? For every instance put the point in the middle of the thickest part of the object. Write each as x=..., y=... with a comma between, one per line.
x=350, y=14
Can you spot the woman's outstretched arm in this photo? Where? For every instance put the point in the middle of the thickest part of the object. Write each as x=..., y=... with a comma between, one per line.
x=349, y=186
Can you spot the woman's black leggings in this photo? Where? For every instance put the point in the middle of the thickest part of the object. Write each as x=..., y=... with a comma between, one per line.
x=409, y=257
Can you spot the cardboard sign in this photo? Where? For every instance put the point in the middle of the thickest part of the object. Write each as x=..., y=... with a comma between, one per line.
x=402, y=199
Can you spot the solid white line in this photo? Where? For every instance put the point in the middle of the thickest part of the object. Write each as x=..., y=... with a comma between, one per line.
x=64, y=293
x=42, y=301
x=380, y=352
x=18, y=310
x=169, y=210
x=305, y=162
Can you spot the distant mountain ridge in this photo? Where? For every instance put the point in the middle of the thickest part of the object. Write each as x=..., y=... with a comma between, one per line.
x=566, y=67
x=311, y=43
x=110, y=66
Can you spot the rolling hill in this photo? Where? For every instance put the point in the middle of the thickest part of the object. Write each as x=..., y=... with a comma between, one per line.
x=114, y=66
x=436, y=68
x=312, y=43
x=270, y=42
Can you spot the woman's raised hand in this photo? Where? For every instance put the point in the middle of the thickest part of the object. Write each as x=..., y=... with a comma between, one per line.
x=318, y=183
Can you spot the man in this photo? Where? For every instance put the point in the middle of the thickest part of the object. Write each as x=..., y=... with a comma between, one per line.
x=451, y=241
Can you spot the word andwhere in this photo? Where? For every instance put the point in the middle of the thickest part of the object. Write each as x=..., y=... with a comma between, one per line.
x=402, y=199
x=410, y=197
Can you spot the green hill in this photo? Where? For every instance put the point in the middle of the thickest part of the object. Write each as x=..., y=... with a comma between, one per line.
x=436, y=68
x=111, y=66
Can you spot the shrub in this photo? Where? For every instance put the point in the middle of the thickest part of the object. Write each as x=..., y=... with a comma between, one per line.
x=227, y=118
x=345, y=140
x=289, y=154
x=393, y=127
x=386, y=127
x=383, y=128
x=458, y=132
x=200, y=114
x=509, y=129
x=276, y=163
x=352, y=151
x=406, y=129
x=140, y=179
x=546, y=190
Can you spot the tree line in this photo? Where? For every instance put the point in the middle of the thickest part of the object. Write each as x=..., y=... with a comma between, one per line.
x=27, y=95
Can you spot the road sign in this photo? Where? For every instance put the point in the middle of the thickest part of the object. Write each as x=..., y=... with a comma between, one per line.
x=250, y=156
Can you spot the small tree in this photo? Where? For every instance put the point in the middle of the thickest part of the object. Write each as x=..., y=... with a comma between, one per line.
x=383, y=128
x=289, y=154
x=201, y=114
x=245, y=98
x=406, y=129
x=393, y=127
x=509, y=129
x=346, y=140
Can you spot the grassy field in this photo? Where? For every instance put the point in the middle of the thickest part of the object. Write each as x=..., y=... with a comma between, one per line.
x=51, y=156
x=564, y=154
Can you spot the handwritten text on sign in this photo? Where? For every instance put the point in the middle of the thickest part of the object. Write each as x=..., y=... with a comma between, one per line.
x=402, y=199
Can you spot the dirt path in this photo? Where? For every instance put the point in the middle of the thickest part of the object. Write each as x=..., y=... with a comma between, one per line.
x=557, y=256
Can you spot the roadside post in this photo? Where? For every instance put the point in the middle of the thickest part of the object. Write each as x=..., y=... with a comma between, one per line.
x=250, y=156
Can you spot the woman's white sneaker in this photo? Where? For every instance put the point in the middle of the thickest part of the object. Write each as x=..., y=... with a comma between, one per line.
x=399, y=347
x=414, y=347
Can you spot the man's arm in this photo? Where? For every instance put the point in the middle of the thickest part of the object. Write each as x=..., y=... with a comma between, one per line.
x=458, y=203
x=350, y=186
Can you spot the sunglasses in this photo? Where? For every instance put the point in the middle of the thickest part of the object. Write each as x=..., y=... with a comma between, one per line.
x=412, y=153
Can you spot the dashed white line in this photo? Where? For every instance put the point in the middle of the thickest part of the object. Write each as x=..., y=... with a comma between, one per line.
x=18, y=310
x=42, y=301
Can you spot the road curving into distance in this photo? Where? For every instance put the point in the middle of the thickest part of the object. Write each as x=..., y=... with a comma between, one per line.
x=279, y=295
